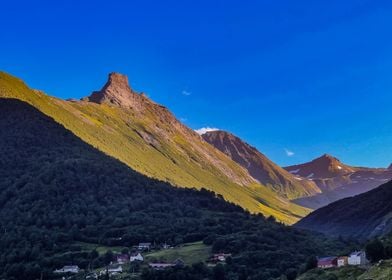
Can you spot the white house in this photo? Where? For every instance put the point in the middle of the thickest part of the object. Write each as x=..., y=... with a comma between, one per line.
x=144, y=246
x=114, y=269
x=221, y=257
x=136, y=257
x=357, y=258
x=68, y=269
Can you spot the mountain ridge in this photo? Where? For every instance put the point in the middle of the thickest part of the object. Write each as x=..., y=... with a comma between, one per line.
x=153, y=142
x=259, y=166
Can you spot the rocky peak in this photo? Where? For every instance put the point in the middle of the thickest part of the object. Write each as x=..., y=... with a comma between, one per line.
x=327, y=159
x=325, y=166
x=118, y=81
x=390, y=167
x=330, y=163
x=117, y=92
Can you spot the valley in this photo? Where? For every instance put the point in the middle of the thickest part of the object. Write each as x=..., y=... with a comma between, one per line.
x=207, y=196
x=59, y=193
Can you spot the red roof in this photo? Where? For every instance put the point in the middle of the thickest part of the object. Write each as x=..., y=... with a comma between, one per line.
x=327, y=261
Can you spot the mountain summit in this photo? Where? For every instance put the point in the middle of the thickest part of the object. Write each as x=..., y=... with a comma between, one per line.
x=117, y=91
x=325, y=166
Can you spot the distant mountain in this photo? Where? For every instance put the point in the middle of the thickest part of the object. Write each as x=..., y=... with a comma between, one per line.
x=363, y=216
x=260, y=167
x=148, y=138
x=325, y=166
x=337, y=180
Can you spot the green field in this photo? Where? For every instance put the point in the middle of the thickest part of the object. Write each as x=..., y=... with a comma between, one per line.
x=190, y=253
x=99, y=248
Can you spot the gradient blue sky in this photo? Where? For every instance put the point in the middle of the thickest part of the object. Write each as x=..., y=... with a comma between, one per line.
x=311, y=77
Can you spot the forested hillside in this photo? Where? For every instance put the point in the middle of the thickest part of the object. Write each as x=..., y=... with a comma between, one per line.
x=56, y=190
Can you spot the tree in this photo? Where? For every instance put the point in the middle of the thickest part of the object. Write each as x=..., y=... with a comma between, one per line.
x=311, y=263
x=94, y=254
x=219, y=272
x=291, y=274
x=375, y=250
x=108, y=257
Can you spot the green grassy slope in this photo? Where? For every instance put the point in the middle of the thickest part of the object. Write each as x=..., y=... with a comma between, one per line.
x=190, y=253
x=344, y=273
x=379, y=271
x=162, y=150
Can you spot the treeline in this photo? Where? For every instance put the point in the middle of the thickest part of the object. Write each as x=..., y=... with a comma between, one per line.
x=55, y=191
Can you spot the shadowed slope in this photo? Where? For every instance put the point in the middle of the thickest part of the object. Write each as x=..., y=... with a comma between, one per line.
x=150, y=140
x=362, y=216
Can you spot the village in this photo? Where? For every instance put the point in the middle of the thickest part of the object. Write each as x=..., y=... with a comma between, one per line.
x=130, y=264
x=144, y=255
x=357, y=258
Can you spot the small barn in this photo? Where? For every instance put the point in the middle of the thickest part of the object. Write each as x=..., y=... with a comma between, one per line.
x=327, y=262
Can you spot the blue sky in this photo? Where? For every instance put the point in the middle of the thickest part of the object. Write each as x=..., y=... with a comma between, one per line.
x=310, y=77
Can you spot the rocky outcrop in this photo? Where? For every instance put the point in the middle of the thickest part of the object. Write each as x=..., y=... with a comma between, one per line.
x=117, y=91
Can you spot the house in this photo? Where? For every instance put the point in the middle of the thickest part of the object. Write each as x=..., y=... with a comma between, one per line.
x=342, y=261
x=327, y=262
x=136, y=257
x=144, y=246
x=122, y=259
x=221, y=257
x=357, y=258
x=68, y=269
x=162, y=266
x=114, y=269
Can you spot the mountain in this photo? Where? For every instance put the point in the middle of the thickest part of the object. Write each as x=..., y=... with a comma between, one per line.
x=149, y=139
x=337, y=180
x=325, y=166
x=61, y=199
x=260, y=167
x=363, y=216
